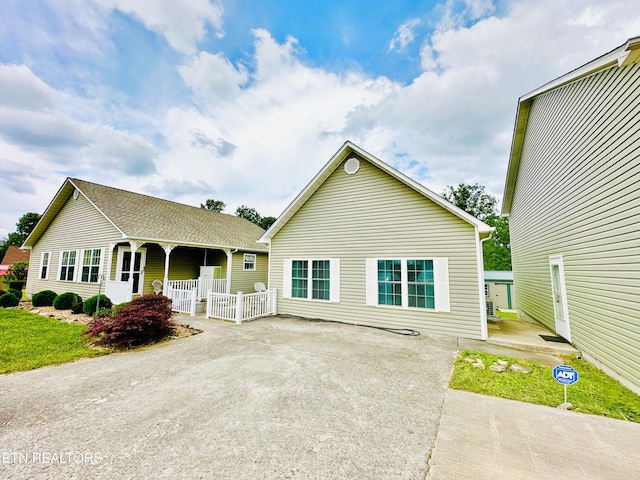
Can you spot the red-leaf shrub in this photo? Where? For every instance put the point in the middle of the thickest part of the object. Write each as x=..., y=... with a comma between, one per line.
x=145, y=319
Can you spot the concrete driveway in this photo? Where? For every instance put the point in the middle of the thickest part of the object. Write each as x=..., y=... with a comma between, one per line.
x=274, y=398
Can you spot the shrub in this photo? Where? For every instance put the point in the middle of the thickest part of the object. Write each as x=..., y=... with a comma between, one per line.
x=105, y=312
x=44, y=298
x=2, y=292
x=77, y=307
x=16, y=292
x=9, y=300
x=145, y=319
x=66, y=301
x=91, y=303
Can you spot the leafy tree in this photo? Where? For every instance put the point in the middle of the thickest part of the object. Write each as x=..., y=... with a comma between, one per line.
x=249, y=213
x=25, y=225
x=266, y=222
x=213, y=205
x=17, y=272
x=472, y=199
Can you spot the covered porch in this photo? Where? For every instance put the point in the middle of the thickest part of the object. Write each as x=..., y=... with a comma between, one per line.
x=137, y=268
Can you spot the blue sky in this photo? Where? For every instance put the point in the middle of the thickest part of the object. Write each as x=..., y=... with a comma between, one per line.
x=243, y=101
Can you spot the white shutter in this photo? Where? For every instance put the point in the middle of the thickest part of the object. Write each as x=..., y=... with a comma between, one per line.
x=372, y=281
x=334, y=283
x=286, y=278
x=441, y=284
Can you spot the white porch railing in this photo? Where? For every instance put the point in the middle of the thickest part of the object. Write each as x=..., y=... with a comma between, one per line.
x=241, y=307
x=183, y=301
x=118, y=292
x=201, y=285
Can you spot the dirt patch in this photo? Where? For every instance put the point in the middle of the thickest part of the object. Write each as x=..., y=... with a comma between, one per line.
x=70, y=317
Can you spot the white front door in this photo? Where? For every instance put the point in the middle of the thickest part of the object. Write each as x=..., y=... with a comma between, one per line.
x=129, y=267
x=559, y=294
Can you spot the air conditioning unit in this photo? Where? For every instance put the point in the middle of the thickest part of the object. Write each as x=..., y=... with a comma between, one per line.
x=490, y=310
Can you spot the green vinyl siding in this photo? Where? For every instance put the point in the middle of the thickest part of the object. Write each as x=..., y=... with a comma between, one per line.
x=373, y=215
x=245, y=280
x=576, y=194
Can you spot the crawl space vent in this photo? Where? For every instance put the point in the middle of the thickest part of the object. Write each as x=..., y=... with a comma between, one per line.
x=351, y=166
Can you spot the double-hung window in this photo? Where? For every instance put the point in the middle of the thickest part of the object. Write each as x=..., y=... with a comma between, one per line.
x=249, y=261
x=312, y=279
x=68, y=266
x=90, y=265
x=421, y=283
x=44, y=266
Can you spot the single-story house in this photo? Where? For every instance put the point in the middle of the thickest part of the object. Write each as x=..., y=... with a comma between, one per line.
x=499, y=291
x=572, y=194
x=365, y=244
x=13, y=255
x=93, y=238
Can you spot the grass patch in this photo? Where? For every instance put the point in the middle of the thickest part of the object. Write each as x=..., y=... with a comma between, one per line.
x=29, y=341
x=595, y=392
x=510, y=315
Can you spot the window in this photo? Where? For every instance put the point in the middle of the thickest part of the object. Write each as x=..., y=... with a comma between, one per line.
x=312, y=279
x=408, y=283
x=44, y=266
x=90, y=266
x=68, y=266
x=249, y=261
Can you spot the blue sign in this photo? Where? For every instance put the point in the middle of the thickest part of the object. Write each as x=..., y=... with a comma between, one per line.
x=565, y=374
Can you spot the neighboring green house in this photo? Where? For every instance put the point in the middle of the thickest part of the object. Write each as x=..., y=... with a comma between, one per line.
x=573, y=198
x=365, y=244
x=499, y=291
x=95, y=238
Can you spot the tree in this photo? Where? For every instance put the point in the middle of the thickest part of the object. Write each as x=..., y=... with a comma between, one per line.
x=25, y=225
x=249, y=213
x=213, y=205
x=472, y=199
x=17, y=272
x=266, y=222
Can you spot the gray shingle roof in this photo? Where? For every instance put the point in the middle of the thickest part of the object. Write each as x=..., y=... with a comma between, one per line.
x=141, y=217
x=144, y=217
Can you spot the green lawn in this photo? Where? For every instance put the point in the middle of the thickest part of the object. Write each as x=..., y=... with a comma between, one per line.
x=29, y=341
x=595, y=392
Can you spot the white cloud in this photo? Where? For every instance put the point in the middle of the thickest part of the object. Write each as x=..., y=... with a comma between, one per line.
x=213, y=77
x=405, y=34
x=183, y=23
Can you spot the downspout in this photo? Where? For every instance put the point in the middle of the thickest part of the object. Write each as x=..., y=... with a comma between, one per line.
x=484, y=329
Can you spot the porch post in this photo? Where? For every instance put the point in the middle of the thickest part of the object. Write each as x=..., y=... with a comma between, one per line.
x=167, y=252
x=229, y=267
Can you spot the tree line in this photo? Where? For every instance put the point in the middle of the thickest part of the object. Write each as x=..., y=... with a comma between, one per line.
x=242, y=211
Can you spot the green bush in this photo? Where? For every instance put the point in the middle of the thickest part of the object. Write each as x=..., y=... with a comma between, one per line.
x=44, y=298
x=66, y=301
x=9, y=300
x=16, y=292
x=77, y=307
x=90, y=304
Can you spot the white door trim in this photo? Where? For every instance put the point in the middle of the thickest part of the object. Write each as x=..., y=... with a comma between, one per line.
x=559, y=297
x=143, y=261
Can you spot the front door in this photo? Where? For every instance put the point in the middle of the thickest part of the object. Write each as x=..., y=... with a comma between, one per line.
x=125, y=270
x=559, y=295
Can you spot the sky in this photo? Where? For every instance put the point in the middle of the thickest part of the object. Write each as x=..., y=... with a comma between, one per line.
x=244, y=101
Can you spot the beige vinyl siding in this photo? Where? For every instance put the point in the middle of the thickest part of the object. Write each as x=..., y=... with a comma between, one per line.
x=577, y=195
x=372, y=215
x=244, y=280
x=77, y=226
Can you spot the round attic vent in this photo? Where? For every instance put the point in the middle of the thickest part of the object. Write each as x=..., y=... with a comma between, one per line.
x=351, y=166
x=76, y=193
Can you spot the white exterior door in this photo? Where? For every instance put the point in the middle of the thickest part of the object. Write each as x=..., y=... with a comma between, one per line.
x=129, y=267
x=559, y=294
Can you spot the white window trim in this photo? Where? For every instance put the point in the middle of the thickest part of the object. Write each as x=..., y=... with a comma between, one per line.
x=75, y=266
x=244, y=262
x=334, y=279
x=42, y=264
x=440, y=283
x=82, y=265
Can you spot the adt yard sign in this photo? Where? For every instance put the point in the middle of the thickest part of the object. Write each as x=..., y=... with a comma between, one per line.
x=565, y=374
